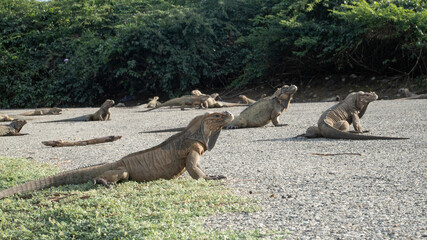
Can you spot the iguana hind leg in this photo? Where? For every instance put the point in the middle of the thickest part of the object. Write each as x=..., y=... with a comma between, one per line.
x=112, y=176
x=342, y=126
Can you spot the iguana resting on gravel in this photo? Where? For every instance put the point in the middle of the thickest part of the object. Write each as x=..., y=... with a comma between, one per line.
x=43, y=111
x=103, y=114
x=265, y=110
x=186, y=100
x=410, y=95
x=13, y=128
x=335, y=122
x=246, y=99
x=153, y=102
x=5, y=118
x=167, y=160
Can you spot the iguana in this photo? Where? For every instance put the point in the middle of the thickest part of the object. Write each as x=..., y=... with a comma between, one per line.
x=13, y=128
x=410, y=95
x=43, y=111
x=153, y=102
x=246, y=99
x=265, y=110
x=186, y=100
x=167, y=160
x=335, y=122
x=103, y=114
x=211, y=102
x=5, y=118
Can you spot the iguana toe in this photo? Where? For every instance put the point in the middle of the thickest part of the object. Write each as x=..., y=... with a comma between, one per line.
x=101, y=181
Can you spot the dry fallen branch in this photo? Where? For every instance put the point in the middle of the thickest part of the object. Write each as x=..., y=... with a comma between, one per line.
x=62, y=143
x=336, y=154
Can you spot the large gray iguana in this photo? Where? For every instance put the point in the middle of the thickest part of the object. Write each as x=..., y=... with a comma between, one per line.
x=13, y=128
x=102, y=114
x=167, y=160
x=43, y=111
x=335, y=122
x=186, y=100
x=265, y=110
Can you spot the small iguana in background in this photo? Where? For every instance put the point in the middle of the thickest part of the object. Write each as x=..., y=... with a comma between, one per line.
x=5, y=118
x=103, y=114
x=335, y=122
x=211, y=102
x=265, y=110
x=13, y=128
x=246, y=99
x=167, y=160
x=406, y=94
x=153, y=102
x=43, y=111
x=186, y=100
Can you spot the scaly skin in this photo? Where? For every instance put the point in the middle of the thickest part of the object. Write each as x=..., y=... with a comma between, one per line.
x=186, y=100
x=5, y=118
x=335, y=122
x=43, y=111
x=13, y=128
x=102, y=114
x=167, y=160
x=265, y=110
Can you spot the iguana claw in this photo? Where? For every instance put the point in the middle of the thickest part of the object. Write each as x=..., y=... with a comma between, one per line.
x=101, y=181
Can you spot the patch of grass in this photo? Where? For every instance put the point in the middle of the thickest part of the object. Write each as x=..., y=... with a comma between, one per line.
x=153, y=210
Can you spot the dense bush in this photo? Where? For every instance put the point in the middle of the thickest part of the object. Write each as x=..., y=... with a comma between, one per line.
x=78, y=52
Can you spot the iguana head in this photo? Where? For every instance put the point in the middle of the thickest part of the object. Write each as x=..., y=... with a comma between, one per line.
x=155, y=98
x=286, y=92
x=107, y=104
x=214, y=95
x=360, y=99
x=18, y=124
x=206, y=128
x=196, y=92
x=364, y=98
x=55, y=110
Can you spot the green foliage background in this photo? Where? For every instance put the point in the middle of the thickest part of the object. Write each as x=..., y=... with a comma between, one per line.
x=79, y=52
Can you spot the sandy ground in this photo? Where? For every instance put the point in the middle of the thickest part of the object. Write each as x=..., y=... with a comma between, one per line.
x=379, y=192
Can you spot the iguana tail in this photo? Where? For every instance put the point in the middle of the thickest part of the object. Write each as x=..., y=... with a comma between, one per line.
x=77, y=176
x=330, y=132
x=76, y=119
x=166, y=130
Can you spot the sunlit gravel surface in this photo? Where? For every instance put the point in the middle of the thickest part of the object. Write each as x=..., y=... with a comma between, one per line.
x=378, y=190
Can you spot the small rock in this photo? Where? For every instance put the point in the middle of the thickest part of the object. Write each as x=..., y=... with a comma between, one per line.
x=353, y=76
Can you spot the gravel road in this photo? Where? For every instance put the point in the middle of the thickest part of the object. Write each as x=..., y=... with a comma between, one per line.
x=379, y=192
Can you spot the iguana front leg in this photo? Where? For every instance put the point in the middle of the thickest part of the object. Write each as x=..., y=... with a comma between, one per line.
x=275, y=119
x=356, y=123
x=192, y=166
x=112, y=176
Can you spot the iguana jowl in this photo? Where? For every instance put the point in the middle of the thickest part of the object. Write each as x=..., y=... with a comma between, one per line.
x=102, y=114
x=167, y=160
x=335, y=122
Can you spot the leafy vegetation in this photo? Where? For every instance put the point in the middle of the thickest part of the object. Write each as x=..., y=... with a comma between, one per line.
x=77, y=52
x=154, y=210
